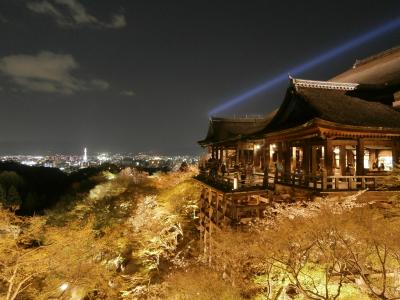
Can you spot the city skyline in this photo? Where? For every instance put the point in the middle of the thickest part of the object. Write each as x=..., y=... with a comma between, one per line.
x=125, y=76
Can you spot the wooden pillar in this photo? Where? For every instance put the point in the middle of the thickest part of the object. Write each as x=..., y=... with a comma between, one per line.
x=293, y=166
x=266, y=167
x=286, y=156
x=324, y=179
x=262, y=157
x=396, y=153
x=279, y=151
x=328, y=157
x=255, y=154
x=268, y=158
x=314, y=162
x=237, y=155
x=360, y=157
x=306, y=158
x=342, y=159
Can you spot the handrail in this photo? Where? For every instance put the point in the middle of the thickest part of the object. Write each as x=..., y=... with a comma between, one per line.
x=320, y=182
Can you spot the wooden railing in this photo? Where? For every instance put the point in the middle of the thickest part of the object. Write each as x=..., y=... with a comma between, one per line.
x=359, y=182
x=337, y=182
x=233, y=180
x=237, y=182
x=298, y=179
x=322, y=182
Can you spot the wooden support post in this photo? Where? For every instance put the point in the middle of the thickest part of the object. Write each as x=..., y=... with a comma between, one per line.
x=329, y=157
x=324, y=179
x=342, y=159
x=396, y=153
x=360, y=157
x=314, y=163
x=279, y=152
x=255, y=154
x=267, y=156
x=286, y=156
x=293, y=165
x=306, y=159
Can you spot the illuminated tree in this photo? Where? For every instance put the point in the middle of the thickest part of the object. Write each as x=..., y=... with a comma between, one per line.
x=374, y=251
x=18, y=268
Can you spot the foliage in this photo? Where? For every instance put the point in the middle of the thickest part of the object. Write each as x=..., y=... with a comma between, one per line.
x=112, y=241
x=3, y=195
x=10, y=178
x=13, y=198
x=135, y=236
x=202, y=284
x=317, y=257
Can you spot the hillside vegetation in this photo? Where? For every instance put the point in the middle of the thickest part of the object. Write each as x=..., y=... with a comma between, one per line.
x=119, y=239
x=133, y=236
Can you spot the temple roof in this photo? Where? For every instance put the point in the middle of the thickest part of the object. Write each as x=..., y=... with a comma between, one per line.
x=230, y=129
x=381, y=68
x=360, y=97
x=341, y=103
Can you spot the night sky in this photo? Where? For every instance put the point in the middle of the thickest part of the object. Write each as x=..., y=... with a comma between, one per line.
x=129, y=76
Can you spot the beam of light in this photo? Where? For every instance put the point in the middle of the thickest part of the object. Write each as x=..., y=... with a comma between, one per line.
x=332, y=53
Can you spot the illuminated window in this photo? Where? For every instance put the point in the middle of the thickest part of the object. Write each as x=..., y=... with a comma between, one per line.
x=366, y=159
x=385, y=159
x=336, y=152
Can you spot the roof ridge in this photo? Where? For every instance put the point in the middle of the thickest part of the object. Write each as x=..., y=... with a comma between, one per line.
x=329, y=85
x=363, y=61
x=239, y=119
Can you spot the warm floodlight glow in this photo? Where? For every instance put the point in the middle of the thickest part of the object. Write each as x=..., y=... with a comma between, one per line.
x=63, y=287
x=332, y=53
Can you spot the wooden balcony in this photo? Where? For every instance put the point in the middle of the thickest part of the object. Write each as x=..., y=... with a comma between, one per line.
x=339, y=182
x=234, y=182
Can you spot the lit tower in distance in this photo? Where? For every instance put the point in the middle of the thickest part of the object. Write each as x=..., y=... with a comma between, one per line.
x=85, y=155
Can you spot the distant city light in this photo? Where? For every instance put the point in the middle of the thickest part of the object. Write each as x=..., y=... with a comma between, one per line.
x=69, y=163
x=330, y=54
x=103, y=157
x=85, y=155
x=28, y=162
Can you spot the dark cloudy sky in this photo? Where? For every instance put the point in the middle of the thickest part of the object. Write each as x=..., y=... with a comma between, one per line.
x=126, y=75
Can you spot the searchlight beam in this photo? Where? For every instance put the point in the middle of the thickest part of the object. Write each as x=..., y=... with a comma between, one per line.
x=324, y=57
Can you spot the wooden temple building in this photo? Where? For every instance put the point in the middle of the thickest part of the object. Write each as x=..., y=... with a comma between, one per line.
x=327, y=136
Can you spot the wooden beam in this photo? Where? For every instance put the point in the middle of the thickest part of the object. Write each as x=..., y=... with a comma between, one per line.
x=306, y=158
x=342, y=159
x=396, y=152
x=329, y=157
x=314, y=162
x=286, y=156
x=360, y=157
